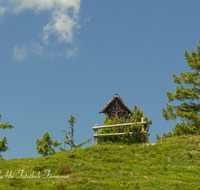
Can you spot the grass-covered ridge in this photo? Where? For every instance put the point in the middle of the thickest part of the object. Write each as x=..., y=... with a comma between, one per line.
x=173, y=163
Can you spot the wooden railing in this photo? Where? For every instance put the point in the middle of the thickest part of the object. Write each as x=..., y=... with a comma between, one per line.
x=96, y=135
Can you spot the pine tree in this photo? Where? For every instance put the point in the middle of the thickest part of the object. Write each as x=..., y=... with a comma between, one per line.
x=134, y=118
x=4, y=141
x=72, y=141
x=44, y=146
x=188, y=110
x=72, y=121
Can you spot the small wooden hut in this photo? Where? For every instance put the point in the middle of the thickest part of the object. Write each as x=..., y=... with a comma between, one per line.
x=116, y=107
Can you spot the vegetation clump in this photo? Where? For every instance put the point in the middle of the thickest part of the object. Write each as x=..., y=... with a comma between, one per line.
x=4, y=141
x=38, y=168
x=138, y=137
x=14, y=182
x=189, y=109
x=118, y=160
x=72, y=141
x=65, y=170
x=44, y=146
x=71, y=156
x=17, y=182
x=60, y=187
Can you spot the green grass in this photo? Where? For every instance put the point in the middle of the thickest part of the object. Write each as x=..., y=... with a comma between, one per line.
x=173, y=163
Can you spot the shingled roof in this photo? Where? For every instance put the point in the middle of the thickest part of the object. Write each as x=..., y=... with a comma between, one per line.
x=119, y=98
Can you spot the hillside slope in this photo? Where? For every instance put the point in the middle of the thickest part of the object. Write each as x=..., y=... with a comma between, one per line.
x=173, y=163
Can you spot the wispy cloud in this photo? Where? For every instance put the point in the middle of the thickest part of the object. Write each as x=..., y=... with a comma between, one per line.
x=2, y=10
x=20, y=53
x=71, y=53
x=87, y=19
x=62, y=25
x=36, y=48
x=63, y=22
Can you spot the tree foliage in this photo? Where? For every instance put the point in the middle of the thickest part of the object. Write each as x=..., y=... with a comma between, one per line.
x=72, y=121
x=127, y=138
x=187, y=91
x=4, y=141
x=72, y=141
x=44, y=146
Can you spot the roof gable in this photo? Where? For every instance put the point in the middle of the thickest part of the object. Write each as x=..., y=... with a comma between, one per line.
x=112, y=100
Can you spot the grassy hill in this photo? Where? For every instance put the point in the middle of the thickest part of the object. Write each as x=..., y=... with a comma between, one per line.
x=173, y=163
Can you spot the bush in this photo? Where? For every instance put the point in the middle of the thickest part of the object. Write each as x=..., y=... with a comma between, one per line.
x=168, y=135
x=157, y=137
x=127, y=138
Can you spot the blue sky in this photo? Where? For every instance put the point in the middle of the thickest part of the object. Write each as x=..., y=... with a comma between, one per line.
x=70, y=57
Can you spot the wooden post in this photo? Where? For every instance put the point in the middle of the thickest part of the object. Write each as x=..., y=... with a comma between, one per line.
x=142, y=124
x=96, y=133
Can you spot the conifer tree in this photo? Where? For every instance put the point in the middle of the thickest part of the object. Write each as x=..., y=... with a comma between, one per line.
x=72, y=141
x=44, y=146
x=4, y=141
x=189, y=94
x=72, y=121
x=134, y=118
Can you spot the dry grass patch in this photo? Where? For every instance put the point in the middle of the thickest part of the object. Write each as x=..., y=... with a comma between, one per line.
x=71, y=156
x=65, y=170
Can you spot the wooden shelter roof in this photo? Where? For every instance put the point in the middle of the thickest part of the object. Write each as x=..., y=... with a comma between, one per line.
x=119, y=98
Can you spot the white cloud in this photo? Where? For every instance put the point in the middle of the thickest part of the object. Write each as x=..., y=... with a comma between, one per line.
x=87, y=20
x=2, y=10
x=61, y=25
x=20, y=53
x=36, y=48
x=63, y=21
x=71, y=53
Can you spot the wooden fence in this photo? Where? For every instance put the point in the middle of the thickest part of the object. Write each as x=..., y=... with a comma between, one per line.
x=96, y=135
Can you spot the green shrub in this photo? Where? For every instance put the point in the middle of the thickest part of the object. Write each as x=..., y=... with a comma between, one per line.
x=127, y=138
x=157, y=137
x=168, y=135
